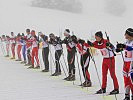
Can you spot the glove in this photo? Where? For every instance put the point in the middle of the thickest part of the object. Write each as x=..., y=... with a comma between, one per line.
x=22, y=38
x=50, y=41
x=108, y=44
x=58, y=40
x=120, y=45
x=90, y=43
x=88, y=51
x=65, y=41
x=119, y=50
x=74, y=39
x=81, y=41
x=45, y=38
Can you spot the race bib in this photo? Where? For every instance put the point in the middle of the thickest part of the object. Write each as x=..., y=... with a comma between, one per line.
x=128, y=54
x=104, y=52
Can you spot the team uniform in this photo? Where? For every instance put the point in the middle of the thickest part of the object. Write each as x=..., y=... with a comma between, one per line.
x=19, y=47
x=7, y=41
x=13, y=44
x=3, y=41
x=56, y=42
x=34, y=52
x=128, y=58
x=107, y=64
x=45, y=52
x=28, y=49
x=85, y=60
x=71, y=50
x=23, y=43
x=128, y=62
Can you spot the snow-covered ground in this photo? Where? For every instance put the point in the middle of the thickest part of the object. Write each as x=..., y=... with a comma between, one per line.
x=18, y=83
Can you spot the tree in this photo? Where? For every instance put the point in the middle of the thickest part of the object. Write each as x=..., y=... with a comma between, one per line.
x=65, y=5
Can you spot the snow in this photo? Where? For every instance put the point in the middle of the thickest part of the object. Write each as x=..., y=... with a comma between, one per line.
x=19, y=83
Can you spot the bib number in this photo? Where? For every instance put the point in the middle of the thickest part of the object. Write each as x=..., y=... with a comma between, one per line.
x=128, y=54
x=104, y=52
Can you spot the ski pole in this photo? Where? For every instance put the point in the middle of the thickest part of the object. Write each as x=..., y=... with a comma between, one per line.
x=60, y=63
x=122, y=55
x=64, y=61
x=51, y=59
x=1, y=48
x=84, y=68
x=92, y=57
x=110, y=56
x=95, y=67
x=40, y=58
x=79, y=69
x=60, y=34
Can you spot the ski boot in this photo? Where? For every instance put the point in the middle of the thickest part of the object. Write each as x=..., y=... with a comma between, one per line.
x=127, y=97
x=45, y=70
x=32, y=66
x=23, y=62
x=67, y=78
x=82, y=84
x=18, y=60
x=132, y=97
x=71, y=78
x=13, y=58
x=27, y=64
x=101, y=91
x=56, y=74
x=7, y=56
x=115, y=91
x=87, y=84
x=37, y=67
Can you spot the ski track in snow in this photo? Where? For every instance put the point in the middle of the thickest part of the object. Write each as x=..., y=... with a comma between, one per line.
x=20, y=83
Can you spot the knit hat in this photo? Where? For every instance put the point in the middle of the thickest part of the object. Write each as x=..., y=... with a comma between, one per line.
x=99, y=34
x=12, y=33
x=18, y=34
x=40, y=33
x=27, y=30
x=22, y=34
x=129, y=31
x=51, y=35
x=33, y=32
x=67, y=31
